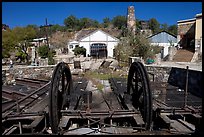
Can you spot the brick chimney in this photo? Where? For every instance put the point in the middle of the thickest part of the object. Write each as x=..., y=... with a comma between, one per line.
x=131, y=19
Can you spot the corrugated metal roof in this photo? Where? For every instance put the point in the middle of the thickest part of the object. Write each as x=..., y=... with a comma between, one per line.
x=163, y=37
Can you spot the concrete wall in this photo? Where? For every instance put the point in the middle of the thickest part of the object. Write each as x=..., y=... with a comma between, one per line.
x=198, y=34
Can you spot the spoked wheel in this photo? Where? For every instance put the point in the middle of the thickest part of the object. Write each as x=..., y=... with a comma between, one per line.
x=61, y=84
x=138, y=87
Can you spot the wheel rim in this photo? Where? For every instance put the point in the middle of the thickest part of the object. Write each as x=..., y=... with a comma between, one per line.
x=138, y=87
x=61, y=83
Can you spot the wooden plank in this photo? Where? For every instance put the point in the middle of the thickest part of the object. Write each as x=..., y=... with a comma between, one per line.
x=138, y=118
x=197, y=116
x=179, y=127
x=36, y=121
x=155, y=107
x=10, y=130
x=40, y=106
x=189, y=125
x=64, y=121
x=166, y=119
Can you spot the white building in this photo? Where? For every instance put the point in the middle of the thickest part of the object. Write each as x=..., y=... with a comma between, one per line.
x=164, y=39
x=96, y=42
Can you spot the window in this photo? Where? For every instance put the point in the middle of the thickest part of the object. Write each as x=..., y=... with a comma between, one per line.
x=71, y=46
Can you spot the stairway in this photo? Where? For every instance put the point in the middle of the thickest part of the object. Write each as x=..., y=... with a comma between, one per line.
x=183, y=55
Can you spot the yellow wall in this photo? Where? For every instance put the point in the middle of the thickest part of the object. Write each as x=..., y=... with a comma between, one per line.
x=198, y=33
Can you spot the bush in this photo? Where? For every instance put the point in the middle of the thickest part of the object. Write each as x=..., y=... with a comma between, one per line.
x=43, y=51
x=50, y=59
x=79, y=51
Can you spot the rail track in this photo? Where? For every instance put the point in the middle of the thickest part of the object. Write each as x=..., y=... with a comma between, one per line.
x=66, y=106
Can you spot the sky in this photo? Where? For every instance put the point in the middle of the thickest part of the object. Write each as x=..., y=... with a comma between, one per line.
x=25, y=13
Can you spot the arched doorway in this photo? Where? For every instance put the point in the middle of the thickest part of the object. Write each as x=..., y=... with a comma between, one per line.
x=98, y=50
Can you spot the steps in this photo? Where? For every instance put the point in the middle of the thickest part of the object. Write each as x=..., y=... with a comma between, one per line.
x=183, y=55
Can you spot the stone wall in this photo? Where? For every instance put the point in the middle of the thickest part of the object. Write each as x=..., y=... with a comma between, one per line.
x=158, y=73
x=174, y=76
x=185, y=27
x=34, y=72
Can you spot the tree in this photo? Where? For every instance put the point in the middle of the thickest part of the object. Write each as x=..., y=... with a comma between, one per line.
x=8, y=43
x=106, y=22
x=154, y=25
x=95, y=23
x=119, y=22
x=173, y=29
x=132, y=45
x=85, y=23
x=57, y=27
x=71, y=22
x=164, y=27
x=24, y=36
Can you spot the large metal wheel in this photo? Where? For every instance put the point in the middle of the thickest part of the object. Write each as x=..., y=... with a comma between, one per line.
x=60, y=89
x=139, y=89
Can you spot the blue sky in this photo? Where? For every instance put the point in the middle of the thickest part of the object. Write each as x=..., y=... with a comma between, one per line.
x=24, y=13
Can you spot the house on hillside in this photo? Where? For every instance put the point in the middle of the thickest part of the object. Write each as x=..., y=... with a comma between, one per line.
x=164, y=39
x=97, y=42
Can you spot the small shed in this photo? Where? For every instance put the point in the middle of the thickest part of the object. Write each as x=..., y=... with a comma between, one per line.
x=164, y=39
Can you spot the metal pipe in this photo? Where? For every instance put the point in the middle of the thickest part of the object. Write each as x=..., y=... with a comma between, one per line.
x=186, y=89
x=18, y=110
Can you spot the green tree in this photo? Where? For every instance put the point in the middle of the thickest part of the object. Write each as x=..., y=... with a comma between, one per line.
x=154, y=25
x=95, y=24
x=164, y=27
x=106, y=22
x=173, y=29
x=132, y=45
x=24, y=36
x=119, y=21
x=57, y=27
x=8, y=43
x=71, y=22
x=85, y=23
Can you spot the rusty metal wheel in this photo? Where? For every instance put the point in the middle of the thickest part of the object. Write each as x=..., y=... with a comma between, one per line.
x=139, y=88
x=60, y=89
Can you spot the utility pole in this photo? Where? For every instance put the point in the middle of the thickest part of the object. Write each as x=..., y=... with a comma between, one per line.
x=46, y=30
